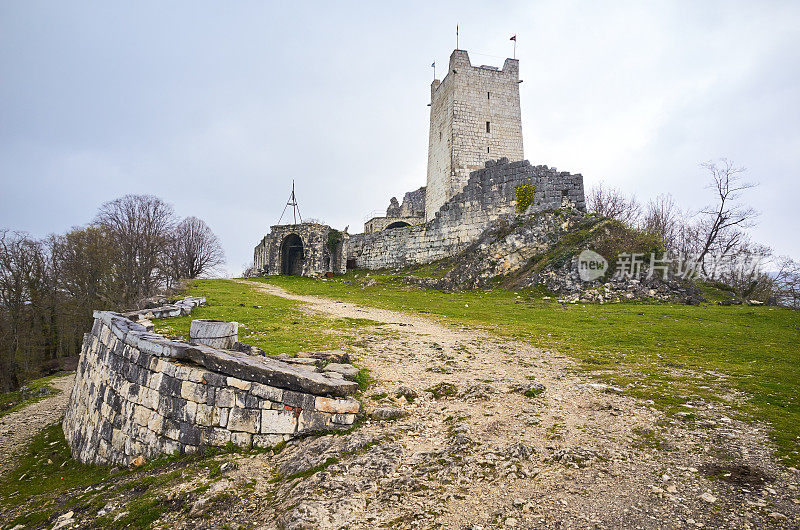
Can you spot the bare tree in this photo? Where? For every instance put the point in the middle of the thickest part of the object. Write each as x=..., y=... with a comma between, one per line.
x=662, y=217
x=140, y=226
x=610, y=202
x=25, y=328
x=193, y=250
x=787, y=282
x=723, y=220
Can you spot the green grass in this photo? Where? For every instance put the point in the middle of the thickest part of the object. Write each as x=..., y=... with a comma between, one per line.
x=48, y=482
x=44, y=472
x=272, y=323
x=746, y=357
x=35, y=390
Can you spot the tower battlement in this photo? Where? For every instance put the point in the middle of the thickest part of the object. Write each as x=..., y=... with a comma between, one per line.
x=475, y=117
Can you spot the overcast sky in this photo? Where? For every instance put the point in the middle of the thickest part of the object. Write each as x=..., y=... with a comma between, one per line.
x=217, y=106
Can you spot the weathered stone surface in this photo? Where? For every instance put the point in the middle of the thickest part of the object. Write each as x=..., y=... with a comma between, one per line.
x=138, y=394
x=338, y=406
x=349, y=371
x=269, y=372
x=214, y=333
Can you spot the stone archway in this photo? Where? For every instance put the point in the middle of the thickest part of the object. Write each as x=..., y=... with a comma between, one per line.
x=397, y=224
x=292, y=255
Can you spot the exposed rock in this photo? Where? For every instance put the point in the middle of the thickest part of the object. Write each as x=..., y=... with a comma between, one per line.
x=386, y=413
x=349, y=371
x=478, y=391
x=405, y=392
x=331, y=356
x=529, y=389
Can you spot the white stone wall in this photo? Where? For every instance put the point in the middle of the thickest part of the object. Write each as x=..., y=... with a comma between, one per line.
x=461, y=106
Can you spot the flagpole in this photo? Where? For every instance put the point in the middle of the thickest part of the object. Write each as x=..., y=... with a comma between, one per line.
x=515, y=48
x=456, y=36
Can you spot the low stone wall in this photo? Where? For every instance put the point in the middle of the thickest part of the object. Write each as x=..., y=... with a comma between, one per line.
x=490, y=194
x=138, y=394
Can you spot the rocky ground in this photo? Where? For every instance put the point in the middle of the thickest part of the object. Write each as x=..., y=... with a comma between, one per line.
x=467, y=430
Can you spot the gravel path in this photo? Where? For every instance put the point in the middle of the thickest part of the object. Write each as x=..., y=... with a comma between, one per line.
x=17, y=428
x=600, y=458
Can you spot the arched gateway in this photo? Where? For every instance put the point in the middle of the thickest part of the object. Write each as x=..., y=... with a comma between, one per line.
x=292, y=255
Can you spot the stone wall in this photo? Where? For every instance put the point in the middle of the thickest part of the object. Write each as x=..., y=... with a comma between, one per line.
x=376, y=224
x=459, y=140
x=490, y=194
x=317, y=257
x=139, y=394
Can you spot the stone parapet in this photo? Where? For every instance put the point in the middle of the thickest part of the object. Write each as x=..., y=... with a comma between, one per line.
x=139, y=394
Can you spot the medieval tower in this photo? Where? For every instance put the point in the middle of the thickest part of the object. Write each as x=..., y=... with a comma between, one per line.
x=475, y=117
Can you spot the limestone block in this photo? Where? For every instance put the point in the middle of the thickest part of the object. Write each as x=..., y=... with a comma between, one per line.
x=220, y=417
x=242, y=439
x=267, y=440
x=141, y=415
x=193, y=392
x=244, y=420
x=204, y=415
x=343, y=419
x=214, y=333
x=225, y=398
x=216, y=436
x=266, y=392
x=314, y=421
x=278, y=422
x=337, y=406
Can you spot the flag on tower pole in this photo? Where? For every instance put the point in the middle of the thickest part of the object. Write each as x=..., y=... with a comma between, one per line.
x=514, y=38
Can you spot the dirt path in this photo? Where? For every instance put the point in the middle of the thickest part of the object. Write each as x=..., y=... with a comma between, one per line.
x=578, y=455
x=17, y=428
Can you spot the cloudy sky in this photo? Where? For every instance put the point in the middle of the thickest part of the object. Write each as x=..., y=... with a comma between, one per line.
x=217, y=106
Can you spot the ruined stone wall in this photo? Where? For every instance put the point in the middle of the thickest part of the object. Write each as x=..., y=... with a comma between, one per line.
x=462, y=104
x=318, y=258
x=376, y=224
x=137, y=393
x=413, y=203
x=490, y=194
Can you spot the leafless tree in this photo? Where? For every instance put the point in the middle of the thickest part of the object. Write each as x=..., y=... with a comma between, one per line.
x=86, y=262
x=722, y=222
x=610, y=202
x=193, y=250
x=24, y=322
x=249, y=271
x=140, y=226
x=787, y=282
x=662, y=217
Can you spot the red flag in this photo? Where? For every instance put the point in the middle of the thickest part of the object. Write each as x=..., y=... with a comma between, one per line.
x=514, y=38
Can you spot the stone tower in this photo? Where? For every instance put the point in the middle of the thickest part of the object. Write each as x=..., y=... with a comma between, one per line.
x=475, y=117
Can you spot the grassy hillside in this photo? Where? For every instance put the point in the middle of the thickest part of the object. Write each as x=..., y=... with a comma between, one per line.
x=675, y=355
x=275, y=324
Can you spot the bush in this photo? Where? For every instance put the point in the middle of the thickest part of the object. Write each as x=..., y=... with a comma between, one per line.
x=525, y=194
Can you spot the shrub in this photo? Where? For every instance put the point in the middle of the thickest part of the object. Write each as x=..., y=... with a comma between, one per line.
x=525, y=194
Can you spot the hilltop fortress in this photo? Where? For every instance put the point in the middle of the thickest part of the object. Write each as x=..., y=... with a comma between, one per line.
x=475, y=165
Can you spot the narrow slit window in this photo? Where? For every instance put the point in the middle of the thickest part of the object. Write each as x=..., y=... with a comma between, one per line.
x=487, y=150
x=488, y=127
x=488, y=95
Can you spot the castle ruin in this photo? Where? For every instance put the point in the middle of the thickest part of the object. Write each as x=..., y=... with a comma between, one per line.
x=475, y=165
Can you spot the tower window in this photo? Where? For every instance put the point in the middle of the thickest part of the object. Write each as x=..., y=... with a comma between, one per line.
x=487, y=150
x=487, y=127
x=488, y=94
x=440, y=135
